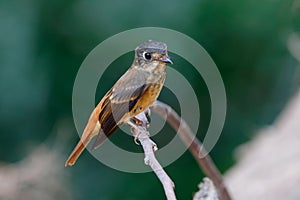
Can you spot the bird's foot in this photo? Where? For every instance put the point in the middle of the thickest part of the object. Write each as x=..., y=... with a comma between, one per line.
x=143, y=119
x=134, y=127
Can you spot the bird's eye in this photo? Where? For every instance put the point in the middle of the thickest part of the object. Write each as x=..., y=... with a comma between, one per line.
x=147, y=55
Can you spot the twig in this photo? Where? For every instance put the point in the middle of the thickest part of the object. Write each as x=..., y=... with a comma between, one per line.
x=196, y=147
x=149, y=147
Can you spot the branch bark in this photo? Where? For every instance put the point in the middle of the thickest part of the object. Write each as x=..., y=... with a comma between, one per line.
x=196, y=147
x=141, y=133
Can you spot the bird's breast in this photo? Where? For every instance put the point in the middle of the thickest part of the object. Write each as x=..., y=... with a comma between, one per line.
x=155, y=81
x=148, y=98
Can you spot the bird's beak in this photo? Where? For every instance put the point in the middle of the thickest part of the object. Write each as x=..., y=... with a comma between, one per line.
x=166, y=60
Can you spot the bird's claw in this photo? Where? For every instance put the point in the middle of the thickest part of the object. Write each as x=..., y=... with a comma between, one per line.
x=143, y=119
x=136, y=140
x=140, y=120
x=132, y=130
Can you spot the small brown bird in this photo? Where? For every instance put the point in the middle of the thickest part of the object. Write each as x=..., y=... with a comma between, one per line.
x=132, y=94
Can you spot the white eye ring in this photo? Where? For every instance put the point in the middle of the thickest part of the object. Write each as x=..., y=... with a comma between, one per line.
x=147, y=55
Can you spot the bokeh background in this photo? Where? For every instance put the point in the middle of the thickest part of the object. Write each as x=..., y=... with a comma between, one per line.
x=43, y=43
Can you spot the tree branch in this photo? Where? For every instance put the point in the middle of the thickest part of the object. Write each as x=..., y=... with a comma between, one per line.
x=149, y=147
x=196, y=147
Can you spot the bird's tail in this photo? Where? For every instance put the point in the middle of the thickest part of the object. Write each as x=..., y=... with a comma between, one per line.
x=87, y=135
x=75, y=154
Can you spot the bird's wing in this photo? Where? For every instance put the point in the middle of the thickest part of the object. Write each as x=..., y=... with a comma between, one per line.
x=120, y=100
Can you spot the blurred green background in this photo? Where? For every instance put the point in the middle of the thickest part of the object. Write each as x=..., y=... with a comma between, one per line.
x=43, y=44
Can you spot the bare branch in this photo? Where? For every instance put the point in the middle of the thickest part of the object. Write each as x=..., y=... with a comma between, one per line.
x=196, y=147
x=149, y=147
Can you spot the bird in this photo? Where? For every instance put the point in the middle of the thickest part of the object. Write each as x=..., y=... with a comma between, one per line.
x=134, y=92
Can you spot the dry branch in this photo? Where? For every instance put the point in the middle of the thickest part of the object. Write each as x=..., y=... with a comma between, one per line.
x=196, y=147
x=149, y=147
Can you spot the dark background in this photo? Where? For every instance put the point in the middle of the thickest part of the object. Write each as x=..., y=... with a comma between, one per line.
x=43, y=44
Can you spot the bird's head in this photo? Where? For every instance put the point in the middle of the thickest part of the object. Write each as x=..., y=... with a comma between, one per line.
x=152, y=53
